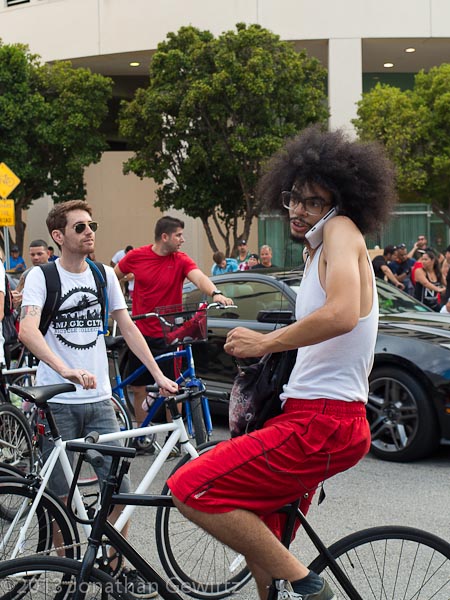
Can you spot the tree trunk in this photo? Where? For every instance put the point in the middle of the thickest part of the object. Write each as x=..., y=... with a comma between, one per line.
x=442, y=214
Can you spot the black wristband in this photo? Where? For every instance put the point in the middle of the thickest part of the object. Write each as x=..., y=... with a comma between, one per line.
x=216, y=293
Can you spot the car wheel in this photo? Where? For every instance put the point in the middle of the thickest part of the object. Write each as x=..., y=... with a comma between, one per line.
x=402, y=420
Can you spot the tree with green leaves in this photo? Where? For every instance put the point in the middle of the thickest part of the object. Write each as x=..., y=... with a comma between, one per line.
x=214, y=111
x=50, y=117
x=414, y=125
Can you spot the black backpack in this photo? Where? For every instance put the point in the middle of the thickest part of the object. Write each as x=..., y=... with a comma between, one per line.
x=53, y=284
x=9, y=316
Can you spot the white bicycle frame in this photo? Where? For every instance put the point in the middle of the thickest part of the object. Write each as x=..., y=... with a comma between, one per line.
x=177, y=432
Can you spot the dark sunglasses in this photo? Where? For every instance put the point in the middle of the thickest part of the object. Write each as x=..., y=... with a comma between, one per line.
x=80, y=227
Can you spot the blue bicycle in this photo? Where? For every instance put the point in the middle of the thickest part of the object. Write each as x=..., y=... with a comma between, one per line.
x=182, y=326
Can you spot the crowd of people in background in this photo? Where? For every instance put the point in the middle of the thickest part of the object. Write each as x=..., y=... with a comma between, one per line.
x=244, y=260
x=422, y=272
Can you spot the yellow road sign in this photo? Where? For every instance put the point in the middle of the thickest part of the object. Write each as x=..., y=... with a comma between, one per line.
x=8, y=181
x=7, y=213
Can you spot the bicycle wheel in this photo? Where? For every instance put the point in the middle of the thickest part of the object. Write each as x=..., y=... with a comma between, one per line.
x=391, y=562
x=23, y=380
x=123, y=416
x=88, y=475
x=47, y=578
x=198, y=422
x=123, y=362
x=50, y=528
x=195, y=562
x=16, y=447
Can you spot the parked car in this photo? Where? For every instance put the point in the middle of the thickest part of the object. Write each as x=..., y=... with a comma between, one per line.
x=409, y=399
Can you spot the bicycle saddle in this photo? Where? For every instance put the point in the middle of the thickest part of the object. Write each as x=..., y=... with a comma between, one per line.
x=39, y=394
x=114, y=342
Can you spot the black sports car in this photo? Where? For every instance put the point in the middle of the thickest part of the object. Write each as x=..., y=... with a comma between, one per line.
x=409, y=399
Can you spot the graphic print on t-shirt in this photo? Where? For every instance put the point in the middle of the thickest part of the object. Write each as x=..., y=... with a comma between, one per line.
x=79, y=313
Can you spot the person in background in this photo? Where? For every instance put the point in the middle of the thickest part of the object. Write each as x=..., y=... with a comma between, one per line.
x=128, y=279
x=38, y=251
x=381, y=269
x=223, y=265
x=265, y=257
x=418, y=248
x=16, y=262
x=446, y=273
x=242, y=255
x=430, y=283
x=401, y=267
x=51, y=254
x=119, y=255
x=253, y=261
x=160, y=270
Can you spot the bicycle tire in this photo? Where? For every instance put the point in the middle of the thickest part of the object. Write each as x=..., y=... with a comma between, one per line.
x=198, y=422
x=46, y=578
x=123, y=362
x=16, y=433
x=124, y=418
x=88, y=476
x=391, y=562
x=51, y=519
x=195, y=562
x=10, y=471
x=24, y=380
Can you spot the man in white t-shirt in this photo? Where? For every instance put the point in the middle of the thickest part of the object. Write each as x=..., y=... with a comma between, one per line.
x=73, y=348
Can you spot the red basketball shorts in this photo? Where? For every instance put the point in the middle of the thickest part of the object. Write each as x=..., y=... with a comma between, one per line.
x=285, y=460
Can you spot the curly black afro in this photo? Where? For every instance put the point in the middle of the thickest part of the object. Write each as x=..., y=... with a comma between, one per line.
x=358, y=174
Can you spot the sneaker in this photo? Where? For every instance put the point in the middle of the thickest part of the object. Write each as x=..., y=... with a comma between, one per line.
x=176, y=450
x=143, y=446
x=285, y=592
x=136, y=586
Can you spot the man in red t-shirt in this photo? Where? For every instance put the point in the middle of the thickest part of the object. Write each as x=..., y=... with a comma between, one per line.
x=159, y=273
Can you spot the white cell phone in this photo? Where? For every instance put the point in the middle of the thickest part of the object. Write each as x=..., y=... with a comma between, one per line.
x=315, y=234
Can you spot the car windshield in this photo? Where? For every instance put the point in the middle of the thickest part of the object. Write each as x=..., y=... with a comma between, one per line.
x=391, y=301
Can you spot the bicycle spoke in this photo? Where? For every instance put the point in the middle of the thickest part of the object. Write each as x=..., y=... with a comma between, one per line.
x=395, y=569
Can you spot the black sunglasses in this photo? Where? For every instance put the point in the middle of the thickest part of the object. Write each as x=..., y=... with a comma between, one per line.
x=80, y=227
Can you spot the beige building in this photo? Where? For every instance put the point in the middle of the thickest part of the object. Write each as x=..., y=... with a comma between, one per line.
x=359, y=41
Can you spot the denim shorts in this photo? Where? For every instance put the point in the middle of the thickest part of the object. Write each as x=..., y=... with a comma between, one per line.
x=76, y=421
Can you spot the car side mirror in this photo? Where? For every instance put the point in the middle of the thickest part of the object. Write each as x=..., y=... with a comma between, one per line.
x=275, y=316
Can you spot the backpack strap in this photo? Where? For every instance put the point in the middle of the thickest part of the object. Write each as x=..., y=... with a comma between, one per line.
x=7, y=306
x=53, y=299
x=99, y=273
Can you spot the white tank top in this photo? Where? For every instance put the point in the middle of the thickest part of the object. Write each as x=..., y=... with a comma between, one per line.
x=338, y=368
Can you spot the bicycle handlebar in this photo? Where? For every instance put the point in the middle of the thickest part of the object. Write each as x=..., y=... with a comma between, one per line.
x=216, y=305
x=181, y=395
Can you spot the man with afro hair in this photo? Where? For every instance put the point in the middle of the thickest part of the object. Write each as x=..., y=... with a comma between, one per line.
x=235, y=490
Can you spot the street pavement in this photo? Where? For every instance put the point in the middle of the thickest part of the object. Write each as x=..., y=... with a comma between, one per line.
x=372, y=493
